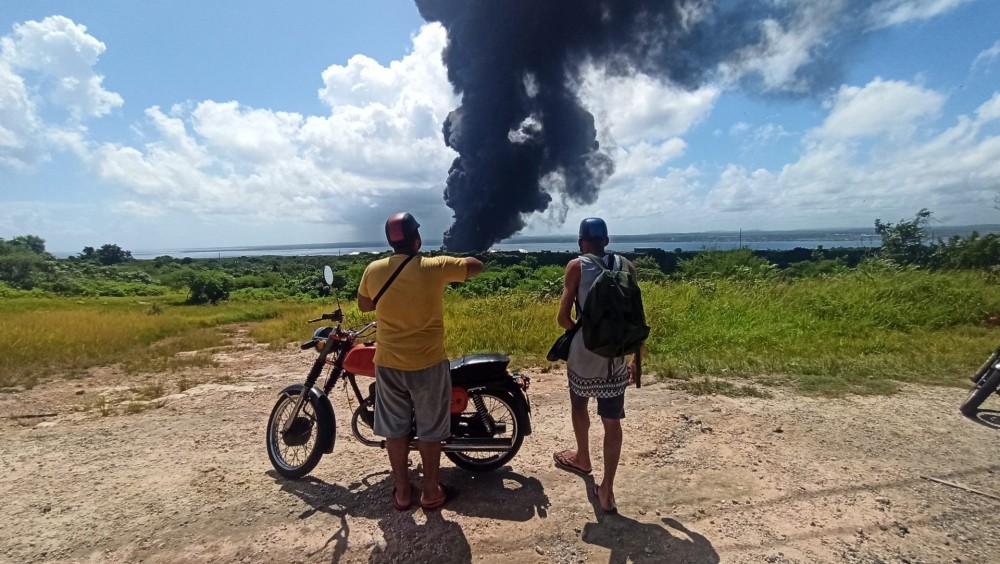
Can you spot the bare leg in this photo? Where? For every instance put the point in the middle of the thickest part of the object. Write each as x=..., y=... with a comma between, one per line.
x=579, y=460
x=581, y=428
x=399, y=456
x=612, y=455
x=430, y=456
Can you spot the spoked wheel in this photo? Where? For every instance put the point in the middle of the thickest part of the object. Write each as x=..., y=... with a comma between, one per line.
x=488, y=415
x=296, y=452
x=362, y=423
x=982, y=390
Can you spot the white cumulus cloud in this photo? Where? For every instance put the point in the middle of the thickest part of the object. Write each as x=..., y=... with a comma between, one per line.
x=641, y=108
x=954, y=171
x=382, y=135
x=880, y=107
x=786, y=46
x=62, y=51
x=863, y=161
x=47, y=68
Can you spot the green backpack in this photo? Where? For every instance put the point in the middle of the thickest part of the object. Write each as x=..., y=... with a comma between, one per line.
x=614, y=322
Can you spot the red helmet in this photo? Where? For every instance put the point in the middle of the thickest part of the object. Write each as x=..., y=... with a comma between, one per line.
x=401, y=227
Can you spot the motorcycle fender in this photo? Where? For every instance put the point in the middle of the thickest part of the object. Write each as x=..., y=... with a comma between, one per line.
x=324, y=410
x=520, y=402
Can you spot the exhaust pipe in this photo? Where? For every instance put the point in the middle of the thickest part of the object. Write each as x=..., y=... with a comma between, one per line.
x=454, y=444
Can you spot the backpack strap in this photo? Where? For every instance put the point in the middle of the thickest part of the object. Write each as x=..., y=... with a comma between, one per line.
x=391, y=279
x=600, y=262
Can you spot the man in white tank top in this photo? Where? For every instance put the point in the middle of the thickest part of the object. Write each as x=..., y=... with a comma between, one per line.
x=590, y=375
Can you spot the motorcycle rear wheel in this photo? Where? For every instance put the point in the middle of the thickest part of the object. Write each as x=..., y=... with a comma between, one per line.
x=982, y=390
x=298, y=452
x=499, y=409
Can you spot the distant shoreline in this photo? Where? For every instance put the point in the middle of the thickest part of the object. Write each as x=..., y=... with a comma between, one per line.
x=851, y=237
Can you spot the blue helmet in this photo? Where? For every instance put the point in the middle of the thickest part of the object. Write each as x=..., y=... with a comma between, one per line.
x=593, y=228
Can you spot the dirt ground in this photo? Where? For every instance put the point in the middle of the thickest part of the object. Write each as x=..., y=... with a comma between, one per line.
x=703, y=479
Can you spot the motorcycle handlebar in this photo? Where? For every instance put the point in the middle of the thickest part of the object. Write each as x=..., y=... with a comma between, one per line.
x=335, y=316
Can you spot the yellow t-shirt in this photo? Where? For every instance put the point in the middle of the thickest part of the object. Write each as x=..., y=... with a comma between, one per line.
x=410, y=313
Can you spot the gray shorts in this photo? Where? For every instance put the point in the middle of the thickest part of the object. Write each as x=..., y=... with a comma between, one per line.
x=403, y=397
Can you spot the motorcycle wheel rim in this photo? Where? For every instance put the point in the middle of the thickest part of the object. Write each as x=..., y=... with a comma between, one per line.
x=500, y=412
x=292, y=457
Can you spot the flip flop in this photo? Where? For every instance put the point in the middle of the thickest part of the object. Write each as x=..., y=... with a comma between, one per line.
x=611, y=511
x=563, y=464
x=449, y=494
x=399, y=506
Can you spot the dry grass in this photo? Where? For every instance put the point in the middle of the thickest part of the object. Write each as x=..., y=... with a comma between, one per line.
x=55, y=337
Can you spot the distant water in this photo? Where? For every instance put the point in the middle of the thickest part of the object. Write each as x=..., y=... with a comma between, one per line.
x=757, y=240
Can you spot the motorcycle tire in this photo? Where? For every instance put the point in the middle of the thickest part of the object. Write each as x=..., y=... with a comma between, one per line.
x=983, y=389
x=500, y=406
x=316, y=427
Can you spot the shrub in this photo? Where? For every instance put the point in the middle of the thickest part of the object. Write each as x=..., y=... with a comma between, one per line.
x=256, y=295
x=815, y=268
x=209, y=287
x=739, y=264
x=903, y=242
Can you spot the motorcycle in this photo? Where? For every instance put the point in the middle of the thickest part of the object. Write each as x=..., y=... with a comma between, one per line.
x=985, y=382
x=490, y=411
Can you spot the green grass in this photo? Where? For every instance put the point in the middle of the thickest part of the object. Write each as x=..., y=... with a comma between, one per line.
x=520, y=325
x=850, y=333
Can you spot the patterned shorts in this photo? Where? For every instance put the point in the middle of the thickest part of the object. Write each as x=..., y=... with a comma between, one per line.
x=610, y=394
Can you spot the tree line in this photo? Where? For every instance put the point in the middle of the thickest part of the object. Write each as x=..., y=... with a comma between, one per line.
x=109, y=270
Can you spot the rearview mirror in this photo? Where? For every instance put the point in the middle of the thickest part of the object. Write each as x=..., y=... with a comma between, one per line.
x=328, y=275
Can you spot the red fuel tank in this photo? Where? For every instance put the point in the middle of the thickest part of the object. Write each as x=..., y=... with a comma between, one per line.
x=360, y=360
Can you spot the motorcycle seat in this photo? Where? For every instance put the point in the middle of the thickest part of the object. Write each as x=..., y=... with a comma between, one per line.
x=478, y=368
x=477, y=359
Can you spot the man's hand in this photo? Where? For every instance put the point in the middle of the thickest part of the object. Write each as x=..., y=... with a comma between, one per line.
x=633, y=372
x=473, y=267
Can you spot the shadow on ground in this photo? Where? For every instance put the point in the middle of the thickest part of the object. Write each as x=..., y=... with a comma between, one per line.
x=503, y=495
x=633, y=541
x=989, y=418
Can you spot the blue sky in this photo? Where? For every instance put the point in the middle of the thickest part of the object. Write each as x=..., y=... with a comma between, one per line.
x=195, y=124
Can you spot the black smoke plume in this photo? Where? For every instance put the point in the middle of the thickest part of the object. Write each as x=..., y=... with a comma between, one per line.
x=521, y=132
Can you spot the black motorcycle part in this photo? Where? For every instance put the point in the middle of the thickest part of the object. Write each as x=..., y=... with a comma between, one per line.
x=519, y=420
x=299, y=432
x=990, y=363
x=982, y=390
x=325, y=428
x=490, y=370
x=479, y=369
x=517, y=398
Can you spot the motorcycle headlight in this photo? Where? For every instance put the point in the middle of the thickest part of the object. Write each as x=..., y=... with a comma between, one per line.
x=322, y=332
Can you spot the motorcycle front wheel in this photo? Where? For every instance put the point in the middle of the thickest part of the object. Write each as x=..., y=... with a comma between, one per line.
x=495, y=409
x=982, y=390
x=296, y=452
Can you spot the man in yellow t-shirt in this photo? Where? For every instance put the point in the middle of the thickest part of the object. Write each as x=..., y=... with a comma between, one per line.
x=412, y=372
